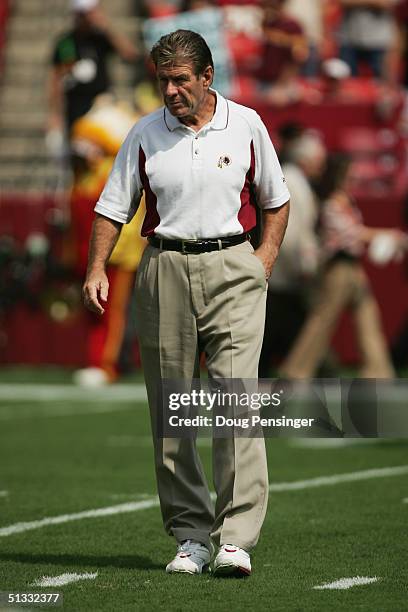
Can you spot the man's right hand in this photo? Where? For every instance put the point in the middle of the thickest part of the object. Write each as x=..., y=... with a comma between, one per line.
x=95, y=290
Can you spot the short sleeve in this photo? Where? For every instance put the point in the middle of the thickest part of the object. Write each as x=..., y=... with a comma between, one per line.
x=121, y=196
x=270, y=183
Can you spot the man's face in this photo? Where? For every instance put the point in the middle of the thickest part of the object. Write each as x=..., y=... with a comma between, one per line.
x=183, y=92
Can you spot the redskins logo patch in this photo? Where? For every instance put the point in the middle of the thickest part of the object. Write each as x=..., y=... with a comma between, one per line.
x=225, y=160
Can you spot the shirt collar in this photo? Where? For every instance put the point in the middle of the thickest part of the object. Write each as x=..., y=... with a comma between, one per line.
x=218, y=122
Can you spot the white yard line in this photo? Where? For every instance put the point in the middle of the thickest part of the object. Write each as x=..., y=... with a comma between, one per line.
x=405, y=500
x=71, y=393
x=68, y=400
x=335, y=479
x=77, y=516
x=347, y=583
x=128, y=391
x=4, y=493
x=9, y=413
x=297, y=485
x=329, y=443
x=56, y=581
x=128, y=496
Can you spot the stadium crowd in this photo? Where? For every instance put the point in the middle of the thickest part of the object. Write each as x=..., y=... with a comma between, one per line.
x=304, y=55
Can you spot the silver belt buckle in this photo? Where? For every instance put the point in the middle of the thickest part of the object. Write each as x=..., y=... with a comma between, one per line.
x=184, y=245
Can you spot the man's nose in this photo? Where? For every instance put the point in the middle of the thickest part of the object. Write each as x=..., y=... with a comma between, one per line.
x=171, y=89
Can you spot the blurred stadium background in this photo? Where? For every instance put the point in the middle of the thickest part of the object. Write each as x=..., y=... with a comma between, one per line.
x=41, y=317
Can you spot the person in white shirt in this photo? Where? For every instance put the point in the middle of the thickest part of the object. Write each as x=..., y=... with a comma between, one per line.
x=367, y=33
x=204, y=163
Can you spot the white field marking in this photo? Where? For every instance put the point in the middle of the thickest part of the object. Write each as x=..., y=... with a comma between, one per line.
x=118, y=391
x=56, y=581
x=152, y=502
x=128, y=496
x=327, y=443
x=405, y=500
x=77, y=516
x=335, y=479
x=35, y=412
x=4, y=493
x=347, y=583
x=72, y=393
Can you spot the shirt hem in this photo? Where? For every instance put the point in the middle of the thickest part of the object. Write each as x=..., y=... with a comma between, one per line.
x=107, y=212
x=276, y=202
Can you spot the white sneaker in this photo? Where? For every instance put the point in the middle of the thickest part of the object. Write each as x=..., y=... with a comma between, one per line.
x=192, y=558
x=232, y=560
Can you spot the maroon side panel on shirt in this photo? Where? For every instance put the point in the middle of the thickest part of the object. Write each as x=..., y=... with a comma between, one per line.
x=247, y=212
x=152, y=219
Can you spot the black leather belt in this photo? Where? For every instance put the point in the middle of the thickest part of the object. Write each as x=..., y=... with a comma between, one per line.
x=191, y=247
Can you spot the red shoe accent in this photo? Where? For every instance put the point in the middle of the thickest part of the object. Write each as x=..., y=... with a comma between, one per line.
x=230, y=550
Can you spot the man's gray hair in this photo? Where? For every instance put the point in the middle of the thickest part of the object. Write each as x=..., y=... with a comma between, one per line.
x=182, y=46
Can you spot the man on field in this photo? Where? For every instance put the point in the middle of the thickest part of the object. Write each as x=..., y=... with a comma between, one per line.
x=204, y=164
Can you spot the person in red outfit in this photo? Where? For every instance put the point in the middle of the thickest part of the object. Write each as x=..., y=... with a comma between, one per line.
x=96, y=138
x=284, y=51
x=284, y=43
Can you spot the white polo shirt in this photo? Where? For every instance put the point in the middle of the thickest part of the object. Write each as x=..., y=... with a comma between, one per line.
x=202, y=184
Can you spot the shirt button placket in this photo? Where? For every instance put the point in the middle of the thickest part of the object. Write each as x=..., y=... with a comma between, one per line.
x=196, y=152
x=196, y=148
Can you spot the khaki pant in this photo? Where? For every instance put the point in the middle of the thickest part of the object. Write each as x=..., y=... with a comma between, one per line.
x=212, y=302
x=344, y=284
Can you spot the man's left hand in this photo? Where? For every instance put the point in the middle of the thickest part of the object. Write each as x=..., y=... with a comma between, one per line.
x=267, y=259
x=274, y=222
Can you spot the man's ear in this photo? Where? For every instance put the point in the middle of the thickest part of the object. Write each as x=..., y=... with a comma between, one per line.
x=208, y=76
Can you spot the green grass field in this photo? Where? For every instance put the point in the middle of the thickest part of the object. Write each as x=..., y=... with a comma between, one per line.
x=71, y=451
